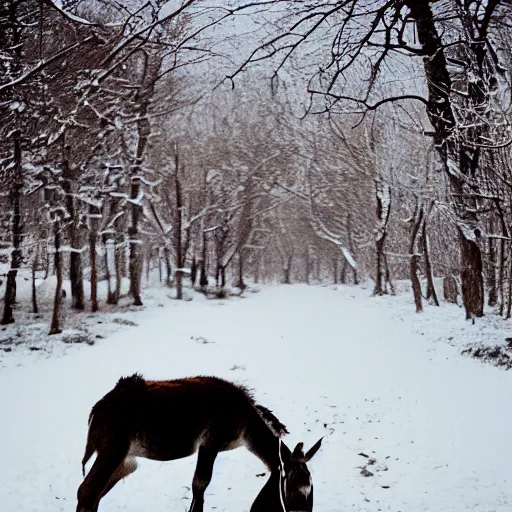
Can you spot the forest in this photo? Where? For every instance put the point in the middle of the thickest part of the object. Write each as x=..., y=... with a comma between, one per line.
x=223, y=143
x=283, y=226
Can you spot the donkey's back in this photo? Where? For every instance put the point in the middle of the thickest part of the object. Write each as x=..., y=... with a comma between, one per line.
x=167, y=420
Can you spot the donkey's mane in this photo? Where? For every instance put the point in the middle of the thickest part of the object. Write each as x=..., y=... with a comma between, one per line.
x=133, y=382
x=278, y=428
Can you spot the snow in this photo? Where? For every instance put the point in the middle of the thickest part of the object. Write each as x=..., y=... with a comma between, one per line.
x=58, y=4
x=349, y=257
x=169, y=8
x=366, y=372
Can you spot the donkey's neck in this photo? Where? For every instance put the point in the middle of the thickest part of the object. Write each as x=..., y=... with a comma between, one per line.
x=263, y=443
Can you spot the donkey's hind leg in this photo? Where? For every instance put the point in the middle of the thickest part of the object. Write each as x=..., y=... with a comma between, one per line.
x=202, y=476
x=127, y=467
x=95, y=483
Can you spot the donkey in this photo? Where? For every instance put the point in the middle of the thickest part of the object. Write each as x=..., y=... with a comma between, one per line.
x=168, y=420
x=289, y=488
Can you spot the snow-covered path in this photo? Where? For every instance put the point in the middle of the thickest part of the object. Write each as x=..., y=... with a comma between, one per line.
x=328, y=362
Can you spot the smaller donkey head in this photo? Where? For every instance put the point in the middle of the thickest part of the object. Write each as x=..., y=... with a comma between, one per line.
x=289, y=490
x=297, y=486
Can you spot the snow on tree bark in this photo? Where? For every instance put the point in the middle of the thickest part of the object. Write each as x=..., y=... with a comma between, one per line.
x=383, y=198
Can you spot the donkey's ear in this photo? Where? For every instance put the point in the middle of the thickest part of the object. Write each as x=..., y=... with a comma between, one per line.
x=298, y=452
x=313, y=450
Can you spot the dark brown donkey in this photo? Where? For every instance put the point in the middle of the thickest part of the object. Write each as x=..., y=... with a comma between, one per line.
x=167, y=420
x=289, y=488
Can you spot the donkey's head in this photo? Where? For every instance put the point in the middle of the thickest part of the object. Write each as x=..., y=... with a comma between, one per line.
x=289, y=490
x=297, y=486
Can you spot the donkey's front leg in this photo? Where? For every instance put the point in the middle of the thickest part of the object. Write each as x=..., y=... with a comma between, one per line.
x=202, y=476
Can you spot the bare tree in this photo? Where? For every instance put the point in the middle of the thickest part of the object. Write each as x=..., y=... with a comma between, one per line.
x=454, y=101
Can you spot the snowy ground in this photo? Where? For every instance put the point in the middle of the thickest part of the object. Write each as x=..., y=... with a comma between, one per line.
x=367, y=373
x=27, y=340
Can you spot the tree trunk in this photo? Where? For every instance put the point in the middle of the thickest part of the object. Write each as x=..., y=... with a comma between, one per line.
x=193, y=271
x=257, y=268
x=450, y=292
x=77, y=282
x=318, y=270
x=17, y=232
x=178, y=225
x=509, y=298
x=135, y=257
x=110, y=268
x=148, y=264
x=343, y=275
x=13, y=38
x=94, y=272
x=160, y=265
x=203, y=278
x=223, y=277
x=10, y=294
x=179, y=284
x=415, y=260
x=379, y=288
x=355, y=276
x=116, y=265
x=125, y=257
x=501, y=267
x=431, y=290
x=220, y=276
x=452, y=147
x=135, y=252
x=107, y=257
x=501, y=274
x=241, y=284
x=35, y=264
x=287, y=270
x=47, y=263
x=57, y=303
x=286, y=274
x=307, y=266
x=415, y=282
x=491, y=268
x=168, y=267
x=336, y=269
x=351, y=248
x=383, y=199
x=75, y=258
x=119, y=253
x=150, y=74
x=471, y=277
x=388, y=277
